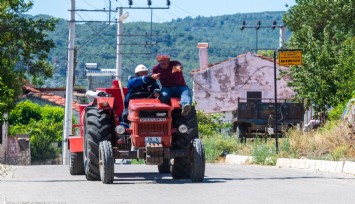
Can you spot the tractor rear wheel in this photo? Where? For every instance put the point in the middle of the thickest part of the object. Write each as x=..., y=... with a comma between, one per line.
x=181, y=166
x=197, y=161
x=76, y=163
x=164, y=167
x=97, y=128
x=106, y=162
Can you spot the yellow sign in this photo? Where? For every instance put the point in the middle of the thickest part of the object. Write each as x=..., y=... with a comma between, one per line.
x=290, y=57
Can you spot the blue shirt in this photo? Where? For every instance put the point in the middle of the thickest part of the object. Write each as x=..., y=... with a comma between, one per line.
x=140, y=84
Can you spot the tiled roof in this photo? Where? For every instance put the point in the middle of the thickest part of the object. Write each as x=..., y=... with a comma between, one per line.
x=50, y=97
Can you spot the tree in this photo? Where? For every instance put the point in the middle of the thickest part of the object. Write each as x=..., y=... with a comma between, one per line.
x=43, y=124
x=324, y=30
x=24, y=49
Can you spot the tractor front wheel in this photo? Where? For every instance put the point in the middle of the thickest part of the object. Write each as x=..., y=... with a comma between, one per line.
x=181, y=166
x=106, y=162
x=197, y=161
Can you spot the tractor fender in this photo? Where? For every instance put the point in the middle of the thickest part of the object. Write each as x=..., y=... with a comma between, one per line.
x=105, y=103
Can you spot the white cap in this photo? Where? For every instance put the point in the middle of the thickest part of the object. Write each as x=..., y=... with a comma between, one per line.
x=140, y=68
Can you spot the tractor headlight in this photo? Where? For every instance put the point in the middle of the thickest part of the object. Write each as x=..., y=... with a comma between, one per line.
x=120, y=129
x=183, y=128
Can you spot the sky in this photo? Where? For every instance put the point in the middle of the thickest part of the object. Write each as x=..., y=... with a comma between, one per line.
x=178, y=8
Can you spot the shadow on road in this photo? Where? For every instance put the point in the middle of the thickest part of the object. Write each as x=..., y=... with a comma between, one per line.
x=150, y=177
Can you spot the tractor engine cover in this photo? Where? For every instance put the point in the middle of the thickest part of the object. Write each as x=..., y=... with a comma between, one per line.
x=150, y=122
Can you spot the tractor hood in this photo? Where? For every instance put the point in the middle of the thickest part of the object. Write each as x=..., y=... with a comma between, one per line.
x=147, y=104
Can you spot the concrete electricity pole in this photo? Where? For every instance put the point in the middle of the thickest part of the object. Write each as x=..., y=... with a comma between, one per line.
x=69, y=89
x=120, y=19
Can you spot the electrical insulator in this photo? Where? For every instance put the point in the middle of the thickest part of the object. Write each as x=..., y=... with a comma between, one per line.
x=149, y=2
x=168, y=2
x=243, y=26
x=130, y=2
x=258, y=25
x=273, y=25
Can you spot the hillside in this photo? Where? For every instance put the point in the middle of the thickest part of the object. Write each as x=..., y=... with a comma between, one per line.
x=96, y=42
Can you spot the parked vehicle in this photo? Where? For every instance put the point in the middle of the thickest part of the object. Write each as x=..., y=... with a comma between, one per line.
x=156, y=133
x=256, y=116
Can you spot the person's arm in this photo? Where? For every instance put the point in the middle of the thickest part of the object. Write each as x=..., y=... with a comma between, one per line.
x=177, y=67
x=139, y=81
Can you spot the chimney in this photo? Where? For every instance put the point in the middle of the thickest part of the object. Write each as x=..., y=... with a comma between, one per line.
x=203, y=54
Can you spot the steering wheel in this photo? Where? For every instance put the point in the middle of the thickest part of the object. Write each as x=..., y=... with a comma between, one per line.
x=141, y=95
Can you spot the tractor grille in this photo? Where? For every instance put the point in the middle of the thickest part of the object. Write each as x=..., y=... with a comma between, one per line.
x=153, y=113
x=153, y=129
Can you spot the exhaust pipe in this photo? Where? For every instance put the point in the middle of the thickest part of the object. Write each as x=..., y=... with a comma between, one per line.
x=95, y=94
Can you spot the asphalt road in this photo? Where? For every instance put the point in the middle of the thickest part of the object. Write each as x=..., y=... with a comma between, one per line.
x=52, y=184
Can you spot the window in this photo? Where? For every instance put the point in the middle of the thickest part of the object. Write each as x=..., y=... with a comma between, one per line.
x=254, y=96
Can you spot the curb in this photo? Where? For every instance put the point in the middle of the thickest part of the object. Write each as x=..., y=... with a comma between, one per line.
x=346, y=167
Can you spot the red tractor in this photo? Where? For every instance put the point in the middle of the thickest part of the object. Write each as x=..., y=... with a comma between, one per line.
x=156, y=133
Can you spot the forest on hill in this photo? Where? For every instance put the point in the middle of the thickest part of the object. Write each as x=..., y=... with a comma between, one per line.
x=96, y=42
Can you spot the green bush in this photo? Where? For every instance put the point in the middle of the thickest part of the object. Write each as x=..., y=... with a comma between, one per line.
x=335, y=113
x=43, y=124
x=217, y=144
x=24, y=112
x=210, y=124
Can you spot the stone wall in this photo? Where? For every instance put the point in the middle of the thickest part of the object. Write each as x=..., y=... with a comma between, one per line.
x=2, y=154
x=18, y=150
x=3, y=135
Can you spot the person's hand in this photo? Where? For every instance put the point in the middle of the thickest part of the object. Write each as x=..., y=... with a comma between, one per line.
x=176, y=68
x=155, y=76
x=156, y=93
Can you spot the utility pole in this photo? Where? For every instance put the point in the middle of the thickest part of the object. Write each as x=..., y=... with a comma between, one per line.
x=257, y=27
x=119, y=43
x=69, y=88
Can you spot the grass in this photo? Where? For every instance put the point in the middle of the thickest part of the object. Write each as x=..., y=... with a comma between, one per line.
x=331, y=142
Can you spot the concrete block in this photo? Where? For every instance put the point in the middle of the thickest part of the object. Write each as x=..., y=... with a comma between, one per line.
x=349, y=167
x=279, y=162
x=334, y=166
x=283, y=162
x=298, y=163
x=238, y=159
x=312, y=164
x=340, y=167
x=229, y=158
x=317, y=165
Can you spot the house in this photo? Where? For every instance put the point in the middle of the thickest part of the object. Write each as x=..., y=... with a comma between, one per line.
x=216, y=87
x=44, y=97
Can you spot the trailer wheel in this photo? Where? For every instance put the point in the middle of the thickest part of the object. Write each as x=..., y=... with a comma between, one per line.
x=76, y=163
x=197, y=161
x=181, y=166
x=164, y=167
x=97, y=128
x=106, y=162
x=241, y=132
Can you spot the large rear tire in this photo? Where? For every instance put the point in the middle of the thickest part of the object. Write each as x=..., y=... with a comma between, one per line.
x=181, y=166
x=197, y=161
x=76, y=163
x=106, y=162
x=97, y=128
